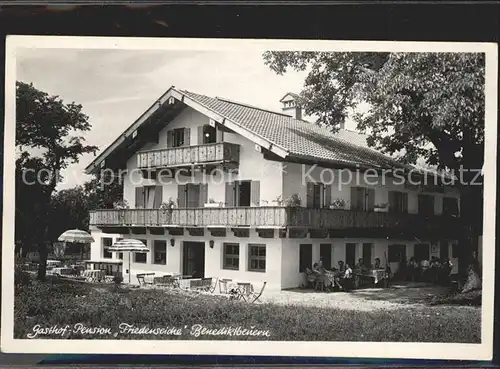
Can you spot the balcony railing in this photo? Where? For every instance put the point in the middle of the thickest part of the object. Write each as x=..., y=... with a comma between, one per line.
x=220, y=152
x=262, y=217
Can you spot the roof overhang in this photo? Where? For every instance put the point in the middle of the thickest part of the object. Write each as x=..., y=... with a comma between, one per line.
x=187, y=101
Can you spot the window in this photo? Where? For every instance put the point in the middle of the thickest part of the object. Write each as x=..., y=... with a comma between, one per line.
x=305, y=257
x=242, y=193
x=398, y=202
x=318, y=195
x=362, y=199
x=396, y=253
x=160, y=252
x=148, y=197
x=140, y=257
x=209, y=134
x=426, y=205
x=231, y=256
x=106, y=242
x=450, y=206
x=257, y=258
x=178, y=137
x=454, y=250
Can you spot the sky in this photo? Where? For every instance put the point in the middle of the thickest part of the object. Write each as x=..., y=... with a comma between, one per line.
x=116, y=86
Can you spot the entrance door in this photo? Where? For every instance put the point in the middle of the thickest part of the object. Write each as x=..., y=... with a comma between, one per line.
x=193, y=262
x=350, y=254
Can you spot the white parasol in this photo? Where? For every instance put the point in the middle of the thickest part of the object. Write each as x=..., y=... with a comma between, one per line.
x=128, y=245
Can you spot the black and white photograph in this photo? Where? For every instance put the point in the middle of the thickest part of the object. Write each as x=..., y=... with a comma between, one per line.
x=257, y=197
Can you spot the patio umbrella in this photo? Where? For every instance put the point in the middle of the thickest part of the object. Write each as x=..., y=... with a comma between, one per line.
x=76, y=236
x=128, y=245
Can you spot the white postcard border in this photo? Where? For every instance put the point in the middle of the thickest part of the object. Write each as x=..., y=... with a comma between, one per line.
x=445, y=351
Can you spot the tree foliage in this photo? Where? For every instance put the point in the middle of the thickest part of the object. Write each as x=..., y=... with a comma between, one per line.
x=48, y=135
x=420, y=105
x=427, y=106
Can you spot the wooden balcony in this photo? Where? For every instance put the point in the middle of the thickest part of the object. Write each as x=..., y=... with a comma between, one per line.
x=216, y=153
x=278, y=217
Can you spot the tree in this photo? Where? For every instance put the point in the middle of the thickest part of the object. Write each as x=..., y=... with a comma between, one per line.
x=419, y=105
x=47, y=125
x=100, y=194
x=69, y=210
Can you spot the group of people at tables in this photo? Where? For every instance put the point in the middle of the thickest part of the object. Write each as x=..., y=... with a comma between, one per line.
x=434, y=270
x=341, y=276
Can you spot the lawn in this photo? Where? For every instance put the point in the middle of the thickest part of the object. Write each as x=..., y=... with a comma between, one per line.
x=162, y=314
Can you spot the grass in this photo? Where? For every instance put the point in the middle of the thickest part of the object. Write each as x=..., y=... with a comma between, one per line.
x=61, y=303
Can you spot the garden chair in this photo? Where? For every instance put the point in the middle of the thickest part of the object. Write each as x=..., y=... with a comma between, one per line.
x=254, y=296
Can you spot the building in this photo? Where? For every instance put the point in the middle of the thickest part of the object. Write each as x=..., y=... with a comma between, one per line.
x=218, y=188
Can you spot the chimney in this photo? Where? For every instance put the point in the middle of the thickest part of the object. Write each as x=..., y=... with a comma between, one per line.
x=291, y=105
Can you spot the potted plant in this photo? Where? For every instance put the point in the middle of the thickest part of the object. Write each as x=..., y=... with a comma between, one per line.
x=338, y=204
x=168, y=208
x=293, y=201
x=292, y=204
x=212, y=204
x=381, y=208
x=121, y=205
x=278, y=201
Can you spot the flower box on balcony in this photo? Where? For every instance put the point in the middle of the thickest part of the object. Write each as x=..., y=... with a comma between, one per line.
x=213, y=205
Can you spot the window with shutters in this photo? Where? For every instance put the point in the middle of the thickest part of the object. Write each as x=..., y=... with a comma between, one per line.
x=160, y=252
x=318, y=195
x=106, y=242
x=426, y=204
x=398, y=202
x=256, y=258
x=450, y=206
x=178, y=137
x=305, y=257
x=231, y=256
x=362, y=199
x=192, y=195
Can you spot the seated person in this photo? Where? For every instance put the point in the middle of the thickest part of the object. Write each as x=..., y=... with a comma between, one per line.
x=377, y=264
x=360, y=267
x=346, y=282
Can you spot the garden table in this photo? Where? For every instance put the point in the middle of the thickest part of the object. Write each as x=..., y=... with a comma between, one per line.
x=93, y=275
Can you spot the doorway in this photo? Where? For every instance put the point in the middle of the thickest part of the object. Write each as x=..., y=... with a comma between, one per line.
x=325, y=254
x=193, y=259
x=350, y=254
x=443, y=250
x=367, y=254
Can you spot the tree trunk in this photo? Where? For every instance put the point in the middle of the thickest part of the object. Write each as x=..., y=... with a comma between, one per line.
x=471, y=227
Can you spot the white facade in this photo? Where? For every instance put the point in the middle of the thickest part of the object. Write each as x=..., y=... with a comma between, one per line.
x=278, y=181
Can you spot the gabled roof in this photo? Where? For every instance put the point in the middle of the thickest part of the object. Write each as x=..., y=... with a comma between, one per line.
x=292, y=95
x=285, y=136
